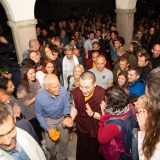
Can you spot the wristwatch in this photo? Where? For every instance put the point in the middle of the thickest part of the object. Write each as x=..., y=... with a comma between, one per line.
x=67, y=115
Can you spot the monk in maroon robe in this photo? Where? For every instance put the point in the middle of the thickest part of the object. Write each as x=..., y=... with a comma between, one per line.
x=87, y=99
x=90, y=63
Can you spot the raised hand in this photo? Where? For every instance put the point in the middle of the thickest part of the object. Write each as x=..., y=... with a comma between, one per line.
x=141, y=118
x=89, y=110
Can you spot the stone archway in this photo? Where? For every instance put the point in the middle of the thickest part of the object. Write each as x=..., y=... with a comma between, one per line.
x=7, y=9
x=21, y=19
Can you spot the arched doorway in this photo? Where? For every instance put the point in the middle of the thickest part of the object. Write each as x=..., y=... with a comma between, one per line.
x=5, y=31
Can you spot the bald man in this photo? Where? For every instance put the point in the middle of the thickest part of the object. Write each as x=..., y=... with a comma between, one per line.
x=33, y=46
x=53, y=111
x=104, y=77
x=155, y=58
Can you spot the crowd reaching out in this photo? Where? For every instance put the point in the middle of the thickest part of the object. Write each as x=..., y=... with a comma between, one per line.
x=79, y=75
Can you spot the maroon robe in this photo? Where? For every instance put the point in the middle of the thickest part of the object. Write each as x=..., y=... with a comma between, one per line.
x=85, y=124
x=87, y=127
x=89, y=64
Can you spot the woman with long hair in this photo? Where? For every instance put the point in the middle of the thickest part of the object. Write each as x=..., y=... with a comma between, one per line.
x=8, y=86
x=149, y=120
x=52, y=52
x=122, y=81
x=32, y=87
x=132, y=50
x=28, y=78
x=116, y=126
x=48, y=67
x=73, y=81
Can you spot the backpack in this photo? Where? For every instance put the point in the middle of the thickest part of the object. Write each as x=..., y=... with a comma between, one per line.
x=127, y=125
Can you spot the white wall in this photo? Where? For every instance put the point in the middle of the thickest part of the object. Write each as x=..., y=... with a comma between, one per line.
x=19, y=10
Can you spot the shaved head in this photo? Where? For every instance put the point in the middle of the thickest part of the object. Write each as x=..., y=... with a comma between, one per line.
x=100, y=62
x=88, y=75
x=34, y=44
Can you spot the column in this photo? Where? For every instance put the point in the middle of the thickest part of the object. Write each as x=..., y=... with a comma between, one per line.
x=22, y=32
x=125, y=23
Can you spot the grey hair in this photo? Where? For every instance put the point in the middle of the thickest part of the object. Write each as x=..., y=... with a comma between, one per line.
x=68, y=47
x=5, y=111
x=48, y=79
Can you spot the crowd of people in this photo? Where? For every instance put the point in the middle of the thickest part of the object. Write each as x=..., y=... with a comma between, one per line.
x=78, y=75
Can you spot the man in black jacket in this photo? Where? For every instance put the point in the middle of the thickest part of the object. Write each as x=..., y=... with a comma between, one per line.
x=144, y=64
x=6, y=50
x=155, y=59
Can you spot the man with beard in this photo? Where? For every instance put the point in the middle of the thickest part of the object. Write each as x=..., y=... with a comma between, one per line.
x=15, y=142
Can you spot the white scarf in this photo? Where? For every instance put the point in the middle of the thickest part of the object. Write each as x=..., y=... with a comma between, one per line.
x=75, y=61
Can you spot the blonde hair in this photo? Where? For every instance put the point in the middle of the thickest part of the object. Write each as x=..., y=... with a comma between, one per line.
x=79, y=66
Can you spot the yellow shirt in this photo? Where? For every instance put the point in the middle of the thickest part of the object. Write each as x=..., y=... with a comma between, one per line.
x=89, y=96
x=94, y=65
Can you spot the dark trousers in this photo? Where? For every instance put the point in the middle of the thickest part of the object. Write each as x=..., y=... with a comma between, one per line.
x=37, y=128
x=87, y=148
x=26, y=125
